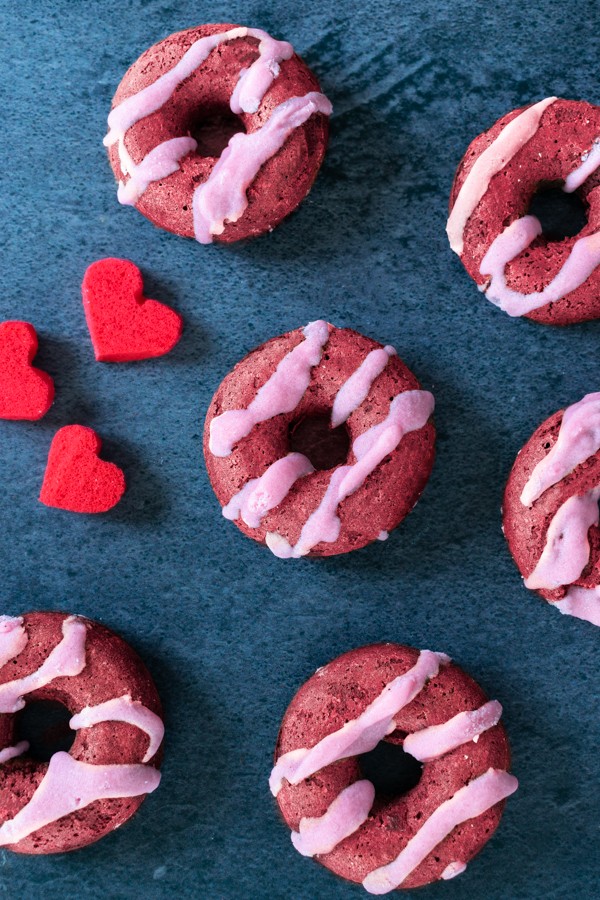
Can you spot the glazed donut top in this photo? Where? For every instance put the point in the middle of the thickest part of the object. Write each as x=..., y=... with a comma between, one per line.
x=282, y=393
x=494, y=244
x=70, y=784
x=567, y=553
x=222, y=197
x=351, y=808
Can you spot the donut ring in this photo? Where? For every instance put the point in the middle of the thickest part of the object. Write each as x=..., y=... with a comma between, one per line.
x=440, y=715
x=80, y=796
x=261, y=176
x=550, y=510
x=502, y=248
x=275, y=496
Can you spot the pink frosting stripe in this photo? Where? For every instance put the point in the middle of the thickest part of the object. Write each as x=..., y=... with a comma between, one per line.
x=363, y=733
x=355, y=390
x=67, y=658
x=578, y=439
x=13, y=638
x=162, y=161
x=469, y=802
x=582, y=603
x=409, y=411
x=589, y=163
x=259, y=495
x=254, y=82
x=453, y=869
x=280, y=394
x=493, y=159
x=567, y=549
x=579, y=265
x=124, y=709
x=13, y=752
x=433, y=742
x=70, y=785
x=155, y=95
x=344, y=816
x=222, y=197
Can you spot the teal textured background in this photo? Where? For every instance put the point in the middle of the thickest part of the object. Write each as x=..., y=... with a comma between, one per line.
x=228, y=630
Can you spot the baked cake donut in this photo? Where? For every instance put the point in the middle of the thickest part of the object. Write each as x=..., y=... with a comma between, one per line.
x=550, y=511
x=80, y=796
x=423, y=703
x=213, y=76
x=551, y=143
x=272, y=416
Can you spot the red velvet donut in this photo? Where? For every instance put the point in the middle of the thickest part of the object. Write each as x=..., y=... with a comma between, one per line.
x=551, y=143
x=80, y=796
x=550, y=510
x=335, y=377
x=209, y=75
x=440, y=716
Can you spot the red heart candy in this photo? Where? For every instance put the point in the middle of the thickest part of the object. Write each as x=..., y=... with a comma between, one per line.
x=25, y=392
x=124, y=325
x=76, y=479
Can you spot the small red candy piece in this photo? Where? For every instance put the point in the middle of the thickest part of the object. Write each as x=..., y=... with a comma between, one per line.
x=124, y=325
x=76, y=479
x=25, y=392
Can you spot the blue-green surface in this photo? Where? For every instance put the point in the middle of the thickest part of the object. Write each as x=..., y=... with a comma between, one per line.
x=228, y=630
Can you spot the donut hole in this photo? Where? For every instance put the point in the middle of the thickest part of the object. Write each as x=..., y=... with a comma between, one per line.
x=325, y=447
x=44, y=724
x=212, y=128
x=391, y=770
x=561, y=215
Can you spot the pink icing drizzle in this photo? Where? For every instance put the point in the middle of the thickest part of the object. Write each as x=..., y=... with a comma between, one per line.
x=124, y=709
x=155, y=95
x=582, y=603
x=567, y=549
x=13, y=638
x=363, y=733
x=70, y=785
x=67, y=658
x=254, y=82
x=435, y=741
x=12, y=752
x=250, y=90
x=589, y=164
x=346, y=813
x=579, y=265
x=493, y=159
x=352, y=806
x=162, y=161
x=467, y=803
x=355, y=390
x=222, y=197
x=409, y=411
x=259, y=495
x=581, y=262
x=281, y=393
x=578, y=439
x=453, y=869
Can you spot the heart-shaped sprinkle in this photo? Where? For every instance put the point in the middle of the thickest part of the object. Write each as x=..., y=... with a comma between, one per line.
x=124, y=325
x=25, y=392
x=76, y=479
